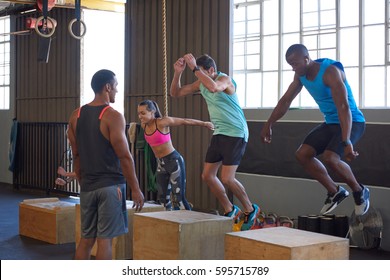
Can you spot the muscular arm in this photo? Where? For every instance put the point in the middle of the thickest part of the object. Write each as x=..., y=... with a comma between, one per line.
x=334, y=79
x=223, y=84
x=61, y=171
x=281, y=108
x=170, y=121
x=71, y=133
x=115, y=124
x=176, y=89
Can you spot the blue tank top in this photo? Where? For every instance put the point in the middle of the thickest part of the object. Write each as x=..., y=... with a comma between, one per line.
x=225, y=112
x=323, y=96
x=99, y=165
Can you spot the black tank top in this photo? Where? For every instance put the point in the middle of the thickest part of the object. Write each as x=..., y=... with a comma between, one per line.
x=99, y=165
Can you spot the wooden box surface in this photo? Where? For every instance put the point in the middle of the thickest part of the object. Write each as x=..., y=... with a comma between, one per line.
x=282, y=243
x=47, y=219
x=122, y=246
x=179, y=235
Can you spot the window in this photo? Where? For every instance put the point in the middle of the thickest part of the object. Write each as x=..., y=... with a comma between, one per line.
x=355, y=32
x=4, y=63
x=105, y=45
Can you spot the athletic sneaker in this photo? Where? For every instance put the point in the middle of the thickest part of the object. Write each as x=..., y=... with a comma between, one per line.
x=250, y=220
x=168, y=206
x=235, y=214
x=362, y=201
x=332, y=201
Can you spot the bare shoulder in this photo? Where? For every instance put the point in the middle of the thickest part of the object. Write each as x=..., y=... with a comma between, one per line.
x=225, y=78
x=164, y=122
x=333, y=74
x=293, y=89
x=75, y=113
x=227, y=83
x=112, y=113
x=112, y=118
x=332, y=70
x=73, y=118
x=296, y=81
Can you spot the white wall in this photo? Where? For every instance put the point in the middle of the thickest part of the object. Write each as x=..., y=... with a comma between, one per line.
x=6, y=117
x=5, y=128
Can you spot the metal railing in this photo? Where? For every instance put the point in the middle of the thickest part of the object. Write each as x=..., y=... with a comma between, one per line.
x=43, y=147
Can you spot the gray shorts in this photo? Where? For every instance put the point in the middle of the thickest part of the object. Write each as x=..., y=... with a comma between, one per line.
x=103, y=212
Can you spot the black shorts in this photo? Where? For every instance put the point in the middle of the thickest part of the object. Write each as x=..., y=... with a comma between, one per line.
x=227, y=149
x=328, y=137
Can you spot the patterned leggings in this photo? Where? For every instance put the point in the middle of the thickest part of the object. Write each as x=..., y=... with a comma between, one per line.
x=171, y=181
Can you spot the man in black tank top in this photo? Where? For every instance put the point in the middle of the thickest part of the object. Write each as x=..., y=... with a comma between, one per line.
x=103, y=164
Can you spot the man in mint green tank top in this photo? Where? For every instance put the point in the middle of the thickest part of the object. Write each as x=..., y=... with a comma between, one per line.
x=230, y=135
x=344, y=125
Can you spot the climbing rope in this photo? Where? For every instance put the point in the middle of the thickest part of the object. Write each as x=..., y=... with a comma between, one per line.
x=164, y=33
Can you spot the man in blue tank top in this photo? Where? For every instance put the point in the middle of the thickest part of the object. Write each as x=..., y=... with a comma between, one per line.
x=230, y=135
x=103, y=164
x=344, y=125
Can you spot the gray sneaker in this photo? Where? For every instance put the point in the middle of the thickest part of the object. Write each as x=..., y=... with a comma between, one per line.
x=362, y=201
x=331, y=202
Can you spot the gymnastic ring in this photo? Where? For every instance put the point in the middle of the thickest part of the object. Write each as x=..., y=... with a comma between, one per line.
x=53, y=23
x=71, y=30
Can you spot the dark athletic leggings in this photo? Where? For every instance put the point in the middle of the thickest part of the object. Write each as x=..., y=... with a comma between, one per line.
x=171, y=181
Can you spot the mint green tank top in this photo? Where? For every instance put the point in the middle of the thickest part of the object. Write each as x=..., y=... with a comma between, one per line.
x=225, y=112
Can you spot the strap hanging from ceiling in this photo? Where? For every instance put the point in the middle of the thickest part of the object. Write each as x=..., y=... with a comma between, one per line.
x=77, y=6
x=82, y=26
x=48, y=26
x=45, y=8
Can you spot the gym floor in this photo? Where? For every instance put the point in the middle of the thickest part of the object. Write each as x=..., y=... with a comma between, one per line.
x=16, y=247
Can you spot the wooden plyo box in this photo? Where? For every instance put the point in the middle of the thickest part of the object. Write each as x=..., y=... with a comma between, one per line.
x=183, y=235
x=47, y=219
x=122, y=246
x=282, y=243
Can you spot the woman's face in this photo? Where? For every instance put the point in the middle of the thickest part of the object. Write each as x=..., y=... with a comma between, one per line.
x=144, y=115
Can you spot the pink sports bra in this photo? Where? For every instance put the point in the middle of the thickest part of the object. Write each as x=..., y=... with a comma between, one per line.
x=157, y=137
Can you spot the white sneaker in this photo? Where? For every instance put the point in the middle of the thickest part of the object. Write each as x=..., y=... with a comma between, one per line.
x=331, y=202
x=362, y=201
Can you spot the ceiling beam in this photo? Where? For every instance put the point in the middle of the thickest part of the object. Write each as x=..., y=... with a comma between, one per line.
x=104, y=5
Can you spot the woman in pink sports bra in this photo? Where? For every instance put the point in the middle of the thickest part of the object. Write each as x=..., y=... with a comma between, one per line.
x=170, y=174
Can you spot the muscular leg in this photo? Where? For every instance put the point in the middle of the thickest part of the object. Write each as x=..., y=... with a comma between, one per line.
x=306, y=157
x=333, y=162
x=228, y=173
x=83, y=251
x=104, y=249
x=209, y=176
